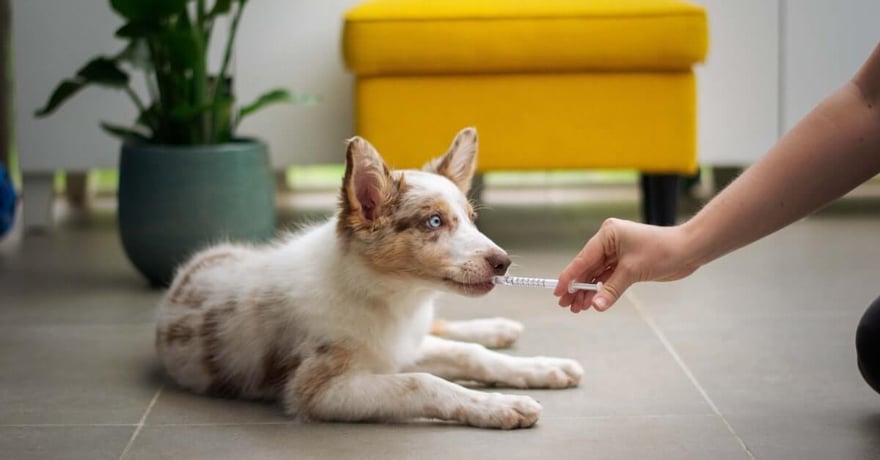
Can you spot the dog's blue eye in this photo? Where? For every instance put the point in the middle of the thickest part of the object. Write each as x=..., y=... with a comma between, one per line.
x=434, y=221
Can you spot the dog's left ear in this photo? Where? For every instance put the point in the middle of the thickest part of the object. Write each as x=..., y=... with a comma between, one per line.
x=460, y=162
x=367, y=184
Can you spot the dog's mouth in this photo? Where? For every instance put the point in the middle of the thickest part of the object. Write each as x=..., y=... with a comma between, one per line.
x=471, y=288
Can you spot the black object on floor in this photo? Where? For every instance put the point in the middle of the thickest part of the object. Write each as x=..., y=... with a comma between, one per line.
x=660, y=198
x=868, y=345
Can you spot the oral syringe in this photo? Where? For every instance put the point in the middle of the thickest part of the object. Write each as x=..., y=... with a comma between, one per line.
x=544, y=283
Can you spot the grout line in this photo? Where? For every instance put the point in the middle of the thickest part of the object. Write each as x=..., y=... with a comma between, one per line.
x=284, y=423
x=666, y=344
x=64, y=425
x=298, y=423
x=412, y=423
x=140, y=424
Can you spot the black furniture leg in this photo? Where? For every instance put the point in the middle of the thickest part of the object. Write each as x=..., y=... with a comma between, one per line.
x=659, y=198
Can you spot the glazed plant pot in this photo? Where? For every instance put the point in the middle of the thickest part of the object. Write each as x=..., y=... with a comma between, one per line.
x=175, y=200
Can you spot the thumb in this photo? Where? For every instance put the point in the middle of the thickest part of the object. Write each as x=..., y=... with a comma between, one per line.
x=611, y=290
x=588, y=261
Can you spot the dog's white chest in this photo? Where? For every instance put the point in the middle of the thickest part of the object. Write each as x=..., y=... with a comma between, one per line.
x=411, y=334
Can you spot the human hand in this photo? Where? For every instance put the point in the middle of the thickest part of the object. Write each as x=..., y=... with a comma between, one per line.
x=620, y=254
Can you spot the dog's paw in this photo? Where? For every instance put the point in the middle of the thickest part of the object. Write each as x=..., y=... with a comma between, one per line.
x=495, y=410
x=542, y=372
x=489, y=332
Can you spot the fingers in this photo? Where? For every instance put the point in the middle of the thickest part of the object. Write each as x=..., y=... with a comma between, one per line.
x=570, y=298
x=620, y=254
x=594, y=263
x=574, y=269
x=615, y=280
x=582, y=301
x=589, y=262
x=618, y=282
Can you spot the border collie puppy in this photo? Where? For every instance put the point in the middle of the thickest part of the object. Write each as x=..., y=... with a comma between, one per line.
x=336, y=321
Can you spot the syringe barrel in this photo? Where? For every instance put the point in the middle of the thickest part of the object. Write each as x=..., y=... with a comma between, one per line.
x=526, y=281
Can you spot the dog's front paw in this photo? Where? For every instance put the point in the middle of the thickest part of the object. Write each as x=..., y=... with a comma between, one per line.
x=495, y=410
x=542, y=372
x=489, y=332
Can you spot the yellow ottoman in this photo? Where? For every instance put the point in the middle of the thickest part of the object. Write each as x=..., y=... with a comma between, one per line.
x=549, y=84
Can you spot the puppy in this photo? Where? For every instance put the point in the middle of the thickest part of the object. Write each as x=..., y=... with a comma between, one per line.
x=336, y=321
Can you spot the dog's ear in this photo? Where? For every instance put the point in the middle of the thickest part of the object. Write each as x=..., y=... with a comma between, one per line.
x=367, y=184
x=460, y=162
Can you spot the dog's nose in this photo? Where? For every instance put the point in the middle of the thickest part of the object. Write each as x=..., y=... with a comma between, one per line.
x=499, y=261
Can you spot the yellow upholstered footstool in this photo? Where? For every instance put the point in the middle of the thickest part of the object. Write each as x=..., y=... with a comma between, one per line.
x=549, y=84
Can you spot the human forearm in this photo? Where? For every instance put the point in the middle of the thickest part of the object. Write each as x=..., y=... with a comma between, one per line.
x=832, y=150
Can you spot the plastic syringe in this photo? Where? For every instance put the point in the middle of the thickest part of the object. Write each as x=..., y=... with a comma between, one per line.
x=544, y=283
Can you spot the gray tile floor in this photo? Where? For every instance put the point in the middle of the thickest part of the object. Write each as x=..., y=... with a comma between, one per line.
x=751, y=357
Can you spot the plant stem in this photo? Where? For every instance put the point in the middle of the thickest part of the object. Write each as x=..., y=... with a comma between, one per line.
x=136, y=99
x=200, y=13
x=205, y=23
x=153, y=87
x=220, y=81
x=166, y=131
x=227, y=54
x=200, y=75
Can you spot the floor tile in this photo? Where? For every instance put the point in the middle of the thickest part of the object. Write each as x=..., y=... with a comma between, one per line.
x=627, y=369
x=770, y=330
x=76, y=374
x=766, y=333
x=678, y=438
x=819, y=267
x=64, y=442
x=846, y=434
x=178, y=406
x=76, y=274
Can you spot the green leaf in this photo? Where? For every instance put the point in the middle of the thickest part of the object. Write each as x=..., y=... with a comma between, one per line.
x=65, y=90
x=138, y=29
x=149, y=117
x=220, y=7
x=103, y=71
x=123, y=132
x=99, y=71
x=148, y=10
x=275, y=96
x=136, y=53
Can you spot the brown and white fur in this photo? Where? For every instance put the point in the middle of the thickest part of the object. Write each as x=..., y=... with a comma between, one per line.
x=335, y=321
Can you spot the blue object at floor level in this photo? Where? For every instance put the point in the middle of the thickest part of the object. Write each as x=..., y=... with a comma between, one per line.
x=8, y=201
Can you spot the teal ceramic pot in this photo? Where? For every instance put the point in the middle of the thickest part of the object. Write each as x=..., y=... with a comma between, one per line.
x=175, y=200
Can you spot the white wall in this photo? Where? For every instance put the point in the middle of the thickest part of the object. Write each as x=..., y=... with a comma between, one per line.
x=770, y=62
x=826, y=41
x=737, y=86
x=296, y=44
x=52, y=39
x=292, y=44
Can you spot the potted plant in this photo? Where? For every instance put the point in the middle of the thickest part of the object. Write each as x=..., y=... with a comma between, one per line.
x=185, y=178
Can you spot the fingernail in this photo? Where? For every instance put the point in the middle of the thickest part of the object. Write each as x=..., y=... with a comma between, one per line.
x=600, y=303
